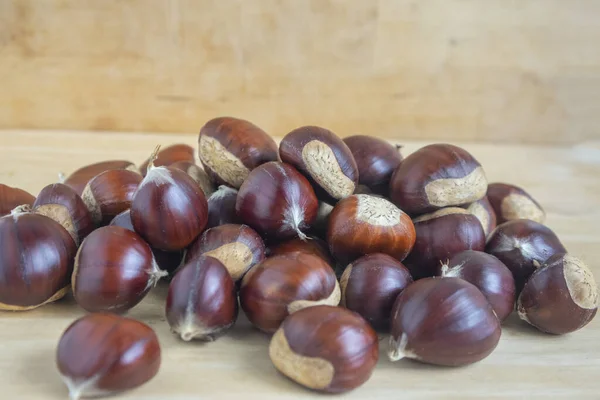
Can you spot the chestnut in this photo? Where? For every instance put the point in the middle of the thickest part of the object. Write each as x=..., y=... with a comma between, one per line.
x=313, y=245
x=114, y=270
x=443, y=321
x=439, y=236
x=484, y=212
x=36, y=260
x=221, y=207
x=511, y=202
x=283, y=284
x=376, y=160
x=560, y=297
x=80, y=178
x=325, y=348
x=11, y=197
x=371, y=284
x=110, y=193
x=229, y=148
x=238, y=247
x=170, y=155
x=197, y=174
x=522, y=245
x=103, y=354
x=437, y=176
x=488, y=274
x=277, y=201
x=362, y=224
x=202, y=300
x=323, y=157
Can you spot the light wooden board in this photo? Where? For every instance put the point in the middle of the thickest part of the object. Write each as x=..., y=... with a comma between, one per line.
x=526, y=364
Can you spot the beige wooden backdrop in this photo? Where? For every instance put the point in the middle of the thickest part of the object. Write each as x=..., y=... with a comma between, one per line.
x=490, y=70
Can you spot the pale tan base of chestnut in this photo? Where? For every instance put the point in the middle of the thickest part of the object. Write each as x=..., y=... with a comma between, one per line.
x=332, y=300
x=56, y=296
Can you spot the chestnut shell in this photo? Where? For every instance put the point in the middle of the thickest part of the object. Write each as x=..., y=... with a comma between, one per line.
x=80, y=178
x=11, y=198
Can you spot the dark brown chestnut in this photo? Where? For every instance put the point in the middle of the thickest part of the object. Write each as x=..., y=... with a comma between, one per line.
x=323, y=157
x=362, y=224
x=104, y=354
x=11, y=198
x=284, y=284
x=114, y=270
x=170, y=155
x=522, y=245
x=80, y=178
x=229, y=148
x=325, y=348
x=277, y=201
x=443, y=321
x=376, y=160
x=488, y=274
x=197, y=174
x=313, y=245
x=484, y=212
x=560, y=297
x=371, y=284
x=202, y=301
x=437, y=176
x=36, y=260
x=511, y=202
x=221, y=207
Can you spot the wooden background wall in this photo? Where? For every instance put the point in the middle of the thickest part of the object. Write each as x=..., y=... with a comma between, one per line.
x=489, y=70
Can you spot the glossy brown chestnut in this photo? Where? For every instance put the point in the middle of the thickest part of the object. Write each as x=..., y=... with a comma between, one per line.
x=229, y=148
x=511, y=202
x=371, y=284
x=170, y=155
x=36, y=260
x=560, y=297
x=522, y=245
x=110, y=193
x=443, y=321
x=364, y=224
x=313, y=245
x=484, y=212
x=440, y=235
x=197, y=174
x=376, y=160
x=11, y=197
x=202, y=300
x=221, y=207
x=488, y=274
x=114, y=270
x=323, y=157
x=325, y=348
x=238, y=247
x=104, y=354
x=437, y=176
x=277, y=201
x=284, y=284
x=80, y=178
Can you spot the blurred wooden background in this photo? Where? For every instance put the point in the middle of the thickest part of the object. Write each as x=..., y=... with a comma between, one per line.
x=493, y=70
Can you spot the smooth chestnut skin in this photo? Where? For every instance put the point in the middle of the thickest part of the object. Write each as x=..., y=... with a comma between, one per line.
x=522, y=245
x=488, y=274
x=439, y=236
x=277, y=201
x=560, y=297
x=197, y=174
x=313, y=245
x=364, y=224
x=511, y=202
x=110, y=193
x=36, y=260
x=284, y=284
x=437, y=176
x=102, y=354
x=79, y=179
x=221, y=207
x=114, y=270
x=229, y=148
x=376, y=160
x=170, y=155
x=322, y=157
x=371, y=284
x=325, y=348
x=443, y=321
x=238, y=247
x=11, y=197
x=484, y=212
x=202, y=300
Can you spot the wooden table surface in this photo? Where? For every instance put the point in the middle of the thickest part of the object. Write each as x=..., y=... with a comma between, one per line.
x=526, y=365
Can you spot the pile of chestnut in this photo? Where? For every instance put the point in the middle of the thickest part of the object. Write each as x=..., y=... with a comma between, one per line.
x=322, y=241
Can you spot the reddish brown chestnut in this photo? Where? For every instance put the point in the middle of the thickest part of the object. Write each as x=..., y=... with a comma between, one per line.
x=277, y=201
x=511, y=202
x=11, y=197
x=197, y=174
x=488, y=274
x=323, y=157
x=443, y=321
x=363, y=224
x=484, y=212
x=284, y=284
x=313, y=245
x=371, y=284
x=170, y=155
x=104, y=354
x=202, y=300
x=437, y=176
x=114, y=270
x=80, y=178
x=230, y=148
x=560, y=297
x=325, y=348
x=221, y=207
